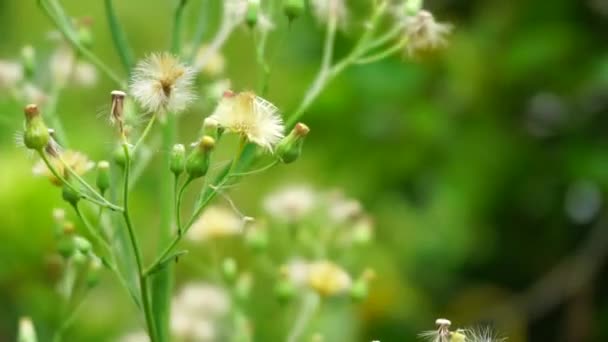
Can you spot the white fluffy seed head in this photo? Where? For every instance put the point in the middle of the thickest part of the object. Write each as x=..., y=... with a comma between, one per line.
x=162, y=84
x=424, y=34
x=251, y=117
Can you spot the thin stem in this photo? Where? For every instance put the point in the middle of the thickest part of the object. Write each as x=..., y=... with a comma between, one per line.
x=94, y=233
x=87, y=185
x=309, y=306
x=67, y=323
x=176, y=36
x=145, y=133
x=262, y=169
x=178, y=204
x=382, y=54
x=145, y=297
x=201, y=27
x=119, y=37
x=64, y=182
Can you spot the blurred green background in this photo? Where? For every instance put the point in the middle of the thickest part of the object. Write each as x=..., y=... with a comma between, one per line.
x=485, y=168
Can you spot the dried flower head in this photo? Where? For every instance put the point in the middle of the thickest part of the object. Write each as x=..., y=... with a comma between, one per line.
x=423, y=33
x=328, y=278
x=161, y=84
x=77, y=161
x=216, y=222
x=290, y=204
x=250, y=116
x=441, y=334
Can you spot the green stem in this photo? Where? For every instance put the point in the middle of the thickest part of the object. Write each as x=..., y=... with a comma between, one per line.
x=64, y=182
x=145, y=133
x=382, y=54
x=69, y=320
x=143, y=283
x=307, y=310
x=178, y=204
x=176, y=37
x=119, y=37
x=94, y=233
x=199, y=32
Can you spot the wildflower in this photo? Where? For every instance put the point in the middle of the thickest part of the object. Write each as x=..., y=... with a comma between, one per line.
x=296, y=271
x=209, y=61
x=199, y=159
x=290, y=148
x=161, y=83
x=85, y=74
x=196, y=309
x=423, y=33
x=216, y=222
x=65, y=67
x=441, y=334
x=11, y=73
x=36, y=135
x=77, y=161
x=342, y=209
x=250, y=116
x=328, y=278
x=291, y=204
x=324, y=10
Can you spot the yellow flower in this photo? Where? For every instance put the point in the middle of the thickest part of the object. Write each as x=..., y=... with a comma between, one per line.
x=328, y=278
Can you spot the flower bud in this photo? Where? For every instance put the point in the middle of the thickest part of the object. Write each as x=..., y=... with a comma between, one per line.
x=28, y=59
x=458, y=336
x=66, y=246
x=94, y=271
x=290, y=148
x=284, y=290
x=211, y=128
x=178, y=159
x=83, y=245
x=293, y=9
x=36, y=135
x=253, y=9
x=27, y=333
x=119, y=156
x=70, y=195
x=80, y=259
x=198, y=162
x=229, y=269
x=103, y=176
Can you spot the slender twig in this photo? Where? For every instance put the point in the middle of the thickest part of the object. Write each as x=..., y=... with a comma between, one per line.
x=69, y=320
x=199, y=32
x=382, y=54
x=119, y=37
x=145, y=132
x=176, y=36
x=143, y=283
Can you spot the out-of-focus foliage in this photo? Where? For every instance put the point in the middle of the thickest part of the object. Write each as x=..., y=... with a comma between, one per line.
x=484, y=168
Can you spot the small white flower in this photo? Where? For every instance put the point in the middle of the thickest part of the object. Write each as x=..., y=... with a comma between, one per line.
x=62, y=64
x=341, y=208
x=216, y=222
x=85, y=74
x=291, y=204
x=423, y=33
x=323, y=10
x=11, y=73
x=296, y=271
x=161, y=83
x=215, y=91
x=251, y=117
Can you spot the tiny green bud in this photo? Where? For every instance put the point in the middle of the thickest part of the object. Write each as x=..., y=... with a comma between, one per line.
x=28, y=59
x=253, y=9
x=70, y=195
x=83, y=245
x=65, y=245
x=119, y=156
x=457, y=336
x=293, y=9
x=257, y=239
x=284, y=290
x=178, y=159
x=85, y=35
x=93, y=275
x=290, y=148
x=27, y=332
x=411, y=7
x=79, y=258
x=103, y=176
x=230, y=269
x=199, y=159
x=360, y=288
x=36, y=135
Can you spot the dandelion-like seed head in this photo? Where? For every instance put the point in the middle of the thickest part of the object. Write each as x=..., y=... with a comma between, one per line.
x=161, y=84
x=482, y=334
x=324, y=10
x=441, y=334
x=424, y=34
x=250, y=116
x=328, y=278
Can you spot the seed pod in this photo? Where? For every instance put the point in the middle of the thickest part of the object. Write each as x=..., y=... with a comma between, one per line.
x=36, y=135
x=290, y=148
x=198, y=162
